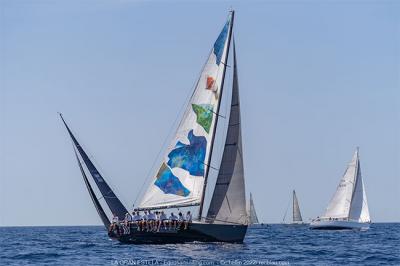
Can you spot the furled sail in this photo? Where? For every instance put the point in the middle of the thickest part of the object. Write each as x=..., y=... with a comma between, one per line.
x=253, y=214
x=296, y=209
x=350, y=201
x=228, y=202
x=180, y=179
x=111, y=199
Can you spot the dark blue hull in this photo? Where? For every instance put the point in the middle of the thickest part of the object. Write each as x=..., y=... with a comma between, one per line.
x=196, y=232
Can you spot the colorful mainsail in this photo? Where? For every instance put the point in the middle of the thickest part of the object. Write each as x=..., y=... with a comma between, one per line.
x=180, y=178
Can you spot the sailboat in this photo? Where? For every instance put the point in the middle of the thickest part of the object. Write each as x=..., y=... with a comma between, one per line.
x=348, y=209
x=296, y=214
x=253, y=219
x=181, y=180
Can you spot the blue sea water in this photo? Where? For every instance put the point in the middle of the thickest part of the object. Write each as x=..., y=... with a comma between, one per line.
x=275, y=245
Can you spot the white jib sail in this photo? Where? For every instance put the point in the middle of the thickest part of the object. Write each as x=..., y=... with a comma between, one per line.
x=339, y=206
x=180, y=178
x=359, y=205
x=253, y=214
x=296, y=209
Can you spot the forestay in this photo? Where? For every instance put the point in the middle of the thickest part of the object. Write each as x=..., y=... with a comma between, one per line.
x=180, y=178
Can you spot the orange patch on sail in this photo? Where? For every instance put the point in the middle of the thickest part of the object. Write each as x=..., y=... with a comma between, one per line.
x=210, y=83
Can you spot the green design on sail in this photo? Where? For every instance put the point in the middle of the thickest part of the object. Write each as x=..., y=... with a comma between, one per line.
x=204, y=113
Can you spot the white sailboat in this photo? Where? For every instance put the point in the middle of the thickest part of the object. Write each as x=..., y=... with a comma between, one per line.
x=253, y=219
x=348, y=209
x=296, y=214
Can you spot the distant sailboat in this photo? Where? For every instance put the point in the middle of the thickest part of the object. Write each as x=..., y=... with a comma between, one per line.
x=181, y=179
x=348, y=209
x=253, y=219
x=296, y=214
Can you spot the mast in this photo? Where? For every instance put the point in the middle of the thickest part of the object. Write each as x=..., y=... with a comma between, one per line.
x=293, y=203
x=111, y=199
x=216, y=118
x=97, y=205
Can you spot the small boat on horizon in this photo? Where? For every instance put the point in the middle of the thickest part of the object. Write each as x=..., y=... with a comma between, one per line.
x=253, y=218
x=181, y=179
x=296, y=214
x=348, y=209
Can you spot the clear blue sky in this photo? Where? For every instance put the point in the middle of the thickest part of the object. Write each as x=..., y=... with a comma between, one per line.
x=317, y=78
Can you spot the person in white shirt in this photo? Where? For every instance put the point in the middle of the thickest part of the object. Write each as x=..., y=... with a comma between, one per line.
x=172, y=221
x=115, y=218
x=126, y=224
x=181, y=220
x=137, y=218
x=128, y=218
x=151, y=218
x=157, y=222
x=163, y=220
x=114, y=224
x=145, y=225
x=188, y=219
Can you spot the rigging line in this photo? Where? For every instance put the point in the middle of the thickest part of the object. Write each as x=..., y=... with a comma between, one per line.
x=287, y=208
x=168, y=137
x=218, y=114
x=216, y=169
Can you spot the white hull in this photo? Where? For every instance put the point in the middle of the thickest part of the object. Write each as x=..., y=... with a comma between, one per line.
x=295, y=223
x=257, y=226
x=338, y=225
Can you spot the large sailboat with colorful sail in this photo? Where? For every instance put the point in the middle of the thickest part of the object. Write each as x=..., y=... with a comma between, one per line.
x=348, y=209
x=182, y=179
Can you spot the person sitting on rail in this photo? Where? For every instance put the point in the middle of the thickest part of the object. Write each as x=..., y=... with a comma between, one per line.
x=188, y=219
x=181, y=220
x=163, y=221
x=133, y=218
x=114, y=224
x=172, y=221
x=145, y=225
x=127, y=220
x=137, y=219
x=151, y=218
x=157, y=221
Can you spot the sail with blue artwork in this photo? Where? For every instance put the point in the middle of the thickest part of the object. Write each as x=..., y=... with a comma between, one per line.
x=179, y=180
